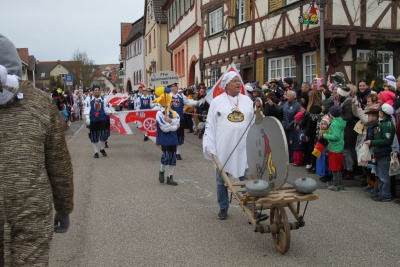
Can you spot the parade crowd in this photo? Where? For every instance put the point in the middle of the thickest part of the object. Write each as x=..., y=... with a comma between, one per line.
x=337, y=130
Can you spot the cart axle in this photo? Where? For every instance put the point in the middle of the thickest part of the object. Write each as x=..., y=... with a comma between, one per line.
x=274, y=228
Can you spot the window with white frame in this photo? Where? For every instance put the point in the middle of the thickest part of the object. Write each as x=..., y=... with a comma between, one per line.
x=309, y=66
x=215, y=72
x=282, y=67
x=215, y=21
x=385, y=64
x=291, y=1
x=241, y=5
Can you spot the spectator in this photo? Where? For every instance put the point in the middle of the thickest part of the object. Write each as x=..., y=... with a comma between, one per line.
x=381, y=146
x=335, y=139
x=350, y=136
x=326, y=93
x=298, y=141
x=363, y=92
x=287, y=110
x=372, y=180
x=188, y=111
x=268, y=109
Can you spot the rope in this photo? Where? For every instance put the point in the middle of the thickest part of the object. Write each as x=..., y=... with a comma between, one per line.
x=195, y=114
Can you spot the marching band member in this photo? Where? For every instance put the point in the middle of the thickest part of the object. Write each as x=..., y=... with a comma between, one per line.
x=178, y=101
x=145, y=102
x=97, y=111
x=167, y=126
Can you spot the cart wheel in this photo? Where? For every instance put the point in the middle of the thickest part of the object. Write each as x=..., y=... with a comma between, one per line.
x=281, y=236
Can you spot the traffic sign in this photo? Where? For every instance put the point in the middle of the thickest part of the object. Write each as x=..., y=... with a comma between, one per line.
x=68, y=79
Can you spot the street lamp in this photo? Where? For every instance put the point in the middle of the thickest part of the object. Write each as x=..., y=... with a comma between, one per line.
x=322, y=4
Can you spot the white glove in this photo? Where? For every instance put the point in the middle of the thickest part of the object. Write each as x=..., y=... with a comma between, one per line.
x=201, y=101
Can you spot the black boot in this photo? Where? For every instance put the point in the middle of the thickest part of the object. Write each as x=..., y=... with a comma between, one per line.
x=171, y=181
x=106, y=145
x=161, y=177
x=103, y=152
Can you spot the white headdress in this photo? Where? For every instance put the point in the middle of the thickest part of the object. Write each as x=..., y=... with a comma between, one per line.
x=228, y=77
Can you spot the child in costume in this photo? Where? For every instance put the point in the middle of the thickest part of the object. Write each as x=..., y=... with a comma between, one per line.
x=167, y=126
x=320, y=151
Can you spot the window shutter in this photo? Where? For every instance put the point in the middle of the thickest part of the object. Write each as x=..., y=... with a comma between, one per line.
x=260, y=70
x=247, y=14
x=233, y=12
x=275, y=4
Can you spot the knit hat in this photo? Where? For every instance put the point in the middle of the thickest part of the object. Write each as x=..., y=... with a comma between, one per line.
x=335, y=111
x=9, y=57
x=299, y=116
x=387, y=109
x=327, y=103
x=387, y=97
x=248, y=87
x=345, y=91
x=228, y=78
x=315, y=109
x=288, y=80
x=326, y=119
x=391, y=80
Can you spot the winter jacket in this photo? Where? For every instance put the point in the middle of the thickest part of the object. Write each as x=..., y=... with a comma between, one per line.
x=382, y=143
x=335, y=136
x=288, y=110
x=350, y=136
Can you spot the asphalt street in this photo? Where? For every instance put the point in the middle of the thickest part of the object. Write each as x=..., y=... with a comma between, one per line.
x=123, y=216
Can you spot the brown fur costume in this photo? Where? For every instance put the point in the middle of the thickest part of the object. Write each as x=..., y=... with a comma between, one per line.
x=35, y=173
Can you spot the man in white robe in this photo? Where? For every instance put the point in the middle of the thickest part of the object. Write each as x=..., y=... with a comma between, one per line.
x=228, y=121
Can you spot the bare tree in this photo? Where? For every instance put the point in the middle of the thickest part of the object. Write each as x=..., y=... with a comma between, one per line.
x=82, y=69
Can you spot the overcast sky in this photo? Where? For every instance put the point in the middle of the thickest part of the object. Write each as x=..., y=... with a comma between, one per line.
x=53, y=30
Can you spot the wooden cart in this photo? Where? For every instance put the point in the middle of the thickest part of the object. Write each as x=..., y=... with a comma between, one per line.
x=276, y=201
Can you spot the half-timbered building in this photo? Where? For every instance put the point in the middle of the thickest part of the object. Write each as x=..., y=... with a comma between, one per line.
x=281, y=38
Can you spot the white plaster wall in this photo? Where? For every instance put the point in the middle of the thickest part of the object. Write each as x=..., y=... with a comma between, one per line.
x=180, y=28
x=374, y=11
x=338, y=15
x=258, y=32
x=348, y=56
x=262, y=7
x=294, y=20
x=348, y=70
x=134, y=64
x=270, y=26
